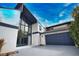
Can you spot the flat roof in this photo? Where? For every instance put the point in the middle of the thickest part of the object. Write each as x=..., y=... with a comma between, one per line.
x=59, y=24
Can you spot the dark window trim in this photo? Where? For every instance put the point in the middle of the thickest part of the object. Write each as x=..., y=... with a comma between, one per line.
x=34, y=33
x=8, y=25
x=20, y=40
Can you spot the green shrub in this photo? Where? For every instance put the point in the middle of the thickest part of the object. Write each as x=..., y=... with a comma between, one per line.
x=74, y=27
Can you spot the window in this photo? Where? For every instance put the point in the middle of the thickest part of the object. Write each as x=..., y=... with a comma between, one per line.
x=39, y=27
x=23, y=34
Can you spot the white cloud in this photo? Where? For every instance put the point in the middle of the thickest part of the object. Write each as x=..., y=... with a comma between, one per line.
x=61, y=13
x=72, y=19
x=67, y=4
x=46, y=20
x=46, y=23
x=62, y=21
x=39, y=19
x=66, y=20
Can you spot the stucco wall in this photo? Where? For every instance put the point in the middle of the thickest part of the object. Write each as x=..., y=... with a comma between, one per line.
x=35, y=27
x=43, y=41
x=37, y=38
x=60, y=27
x=41, y=27
x=10, y=37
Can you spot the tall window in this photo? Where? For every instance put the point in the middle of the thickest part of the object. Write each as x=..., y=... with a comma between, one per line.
x=22, y=34
x=39, y=27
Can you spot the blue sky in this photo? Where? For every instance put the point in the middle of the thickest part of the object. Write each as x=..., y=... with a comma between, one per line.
x=8, y=5
x=50, y=14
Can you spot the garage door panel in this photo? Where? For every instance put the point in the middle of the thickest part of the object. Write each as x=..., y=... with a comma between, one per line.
x=59, y=39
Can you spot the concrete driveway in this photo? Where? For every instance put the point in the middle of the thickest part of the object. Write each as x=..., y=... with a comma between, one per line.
x=49, y=50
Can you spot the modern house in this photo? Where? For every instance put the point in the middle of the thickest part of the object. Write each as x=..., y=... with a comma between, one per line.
x=27, y=33
x=30, y=32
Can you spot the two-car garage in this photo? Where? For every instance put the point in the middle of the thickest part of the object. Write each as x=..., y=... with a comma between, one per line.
x=62, y=38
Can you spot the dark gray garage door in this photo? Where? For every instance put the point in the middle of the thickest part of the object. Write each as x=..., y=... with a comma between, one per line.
x=59, y=39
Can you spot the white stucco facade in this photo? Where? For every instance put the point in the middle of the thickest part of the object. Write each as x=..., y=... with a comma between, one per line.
x=43, y=41
x=37, y=37
x=35, y=27
x=10, y=38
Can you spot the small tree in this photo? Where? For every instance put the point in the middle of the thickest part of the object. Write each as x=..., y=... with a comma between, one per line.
x=74, y=26
x=1, y=43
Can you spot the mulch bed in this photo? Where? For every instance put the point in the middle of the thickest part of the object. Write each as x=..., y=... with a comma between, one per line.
x=8, y=53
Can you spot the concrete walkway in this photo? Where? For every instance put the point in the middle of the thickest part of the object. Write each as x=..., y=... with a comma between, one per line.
x=49, y=50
